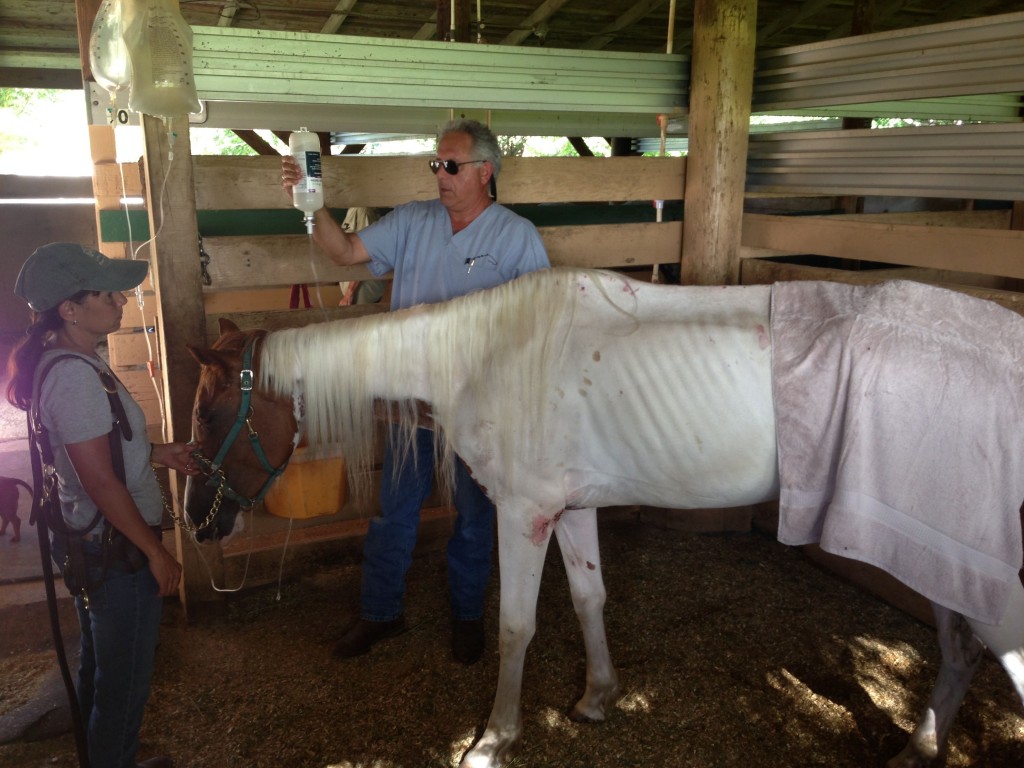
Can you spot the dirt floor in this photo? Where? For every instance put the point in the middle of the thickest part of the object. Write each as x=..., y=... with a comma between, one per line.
x=733, y=650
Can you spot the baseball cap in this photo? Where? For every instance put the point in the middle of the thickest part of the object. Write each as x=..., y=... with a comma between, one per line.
x=59, y=270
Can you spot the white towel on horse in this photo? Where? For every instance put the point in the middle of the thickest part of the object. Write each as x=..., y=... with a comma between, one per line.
x=900, y=417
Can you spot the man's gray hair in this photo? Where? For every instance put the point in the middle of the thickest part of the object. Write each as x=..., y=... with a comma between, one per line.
x=485, y=143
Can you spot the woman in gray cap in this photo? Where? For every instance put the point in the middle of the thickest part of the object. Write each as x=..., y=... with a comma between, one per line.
x=112, y=506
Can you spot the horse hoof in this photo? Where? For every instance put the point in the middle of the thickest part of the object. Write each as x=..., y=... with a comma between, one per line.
x=582, y=717
x=910, y=758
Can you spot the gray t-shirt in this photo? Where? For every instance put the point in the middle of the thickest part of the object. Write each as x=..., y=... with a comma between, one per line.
x=74, y=408
x=431, y=264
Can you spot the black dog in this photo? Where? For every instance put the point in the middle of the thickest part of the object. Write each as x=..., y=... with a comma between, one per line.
x=9, y=505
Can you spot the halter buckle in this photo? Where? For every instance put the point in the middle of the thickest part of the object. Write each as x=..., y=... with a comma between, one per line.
x=245, y=376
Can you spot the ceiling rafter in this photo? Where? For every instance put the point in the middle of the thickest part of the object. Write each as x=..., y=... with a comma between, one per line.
x=226, y=18
x=428, y=30
x=338, y=16
x=533, y=23
x=882, y=12
x=627, y=19
x=785, y=21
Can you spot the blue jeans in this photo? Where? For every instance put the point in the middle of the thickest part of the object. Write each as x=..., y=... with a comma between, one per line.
x=387, y=549
x=119, y=637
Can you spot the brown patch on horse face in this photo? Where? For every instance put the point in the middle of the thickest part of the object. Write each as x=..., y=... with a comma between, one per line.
x=215, y=410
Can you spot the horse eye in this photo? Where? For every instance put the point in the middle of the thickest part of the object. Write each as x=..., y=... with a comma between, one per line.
x=205, y=418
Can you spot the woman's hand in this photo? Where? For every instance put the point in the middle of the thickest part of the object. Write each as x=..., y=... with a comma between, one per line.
x=166, y=570
x=177, y=456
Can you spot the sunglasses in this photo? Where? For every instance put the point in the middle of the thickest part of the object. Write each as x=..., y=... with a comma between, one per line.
x=450, y=166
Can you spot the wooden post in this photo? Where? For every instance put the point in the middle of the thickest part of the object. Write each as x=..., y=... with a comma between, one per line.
x=721, y=85
x=862, y=23
x=176, y=275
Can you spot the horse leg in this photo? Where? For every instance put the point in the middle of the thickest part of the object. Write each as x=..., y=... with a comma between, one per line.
x=1006, y=639
x=577, y=539
x=523, y=538
x=961, y=652
x=961, y=641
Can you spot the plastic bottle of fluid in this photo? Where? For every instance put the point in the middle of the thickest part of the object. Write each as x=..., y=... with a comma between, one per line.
x=308, y=193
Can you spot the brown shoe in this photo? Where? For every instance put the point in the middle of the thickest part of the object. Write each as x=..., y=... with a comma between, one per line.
x=362, y=635
x=467, y=640
x=157, y=762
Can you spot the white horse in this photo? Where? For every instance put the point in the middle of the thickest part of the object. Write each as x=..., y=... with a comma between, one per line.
x=562, y=392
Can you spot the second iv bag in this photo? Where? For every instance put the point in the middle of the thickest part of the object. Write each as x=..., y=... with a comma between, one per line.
x=308, y=192
x=159, y=44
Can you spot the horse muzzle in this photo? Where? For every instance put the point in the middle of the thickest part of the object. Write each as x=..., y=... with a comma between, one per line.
x=211, y=514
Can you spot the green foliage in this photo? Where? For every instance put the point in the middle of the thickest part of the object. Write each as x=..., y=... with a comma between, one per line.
x=565, y=149
x=218, y=141
x=19, y=100
x=903, y=122
x=512, y=146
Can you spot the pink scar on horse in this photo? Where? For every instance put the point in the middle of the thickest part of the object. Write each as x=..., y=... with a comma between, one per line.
x=542, y=527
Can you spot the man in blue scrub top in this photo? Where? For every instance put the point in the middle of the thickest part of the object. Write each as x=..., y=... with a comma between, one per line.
x=438, y=249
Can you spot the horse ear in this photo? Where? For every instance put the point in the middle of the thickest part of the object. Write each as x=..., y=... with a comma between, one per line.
x=209, y=357
x=226, y=326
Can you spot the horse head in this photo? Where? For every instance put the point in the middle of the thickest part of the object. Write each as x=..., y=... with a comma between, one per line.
x=243, y=436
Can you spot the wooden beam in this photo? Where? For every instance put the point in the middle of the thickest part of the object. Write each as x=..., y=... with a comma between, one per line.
x=721, y=79
x=279, y=319
x=580, y=145
x=793, y=15
x=533, y=23
x=15, y=187
x=631, y=16
x=175, y=270
x=226, y=17
x=234, y=183
x=337, y=17
x=981, y=251
x=273, y=260
x=36, y=77
x=111, y=179
x=758, y=271
x=429, y=30
x=862, y=22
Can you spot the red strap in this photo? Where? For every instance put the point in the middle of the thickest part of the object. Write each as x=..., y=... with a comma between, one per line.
x=293, y=302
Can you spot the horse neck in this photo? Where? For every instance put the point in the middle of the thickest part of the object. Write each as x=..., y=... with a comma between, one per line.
x=395, y=353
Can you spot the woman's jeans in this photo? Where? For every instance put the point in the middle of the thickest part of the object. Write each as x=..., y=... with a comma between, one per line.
x=119, y=638
x=389, y=543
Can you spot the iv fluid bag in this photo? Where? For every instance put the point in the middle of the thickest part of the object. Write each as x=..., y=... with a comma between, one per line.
x=308, y=194
x=108, y=55
x=159, y=43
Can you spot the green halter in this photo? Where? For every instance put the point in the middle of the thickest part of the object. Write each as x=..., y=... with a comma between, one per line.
x=212, y=469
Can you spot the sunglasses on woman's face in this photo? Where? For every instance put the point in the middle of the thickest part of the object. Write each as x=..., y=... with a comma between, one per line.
x=450, y=166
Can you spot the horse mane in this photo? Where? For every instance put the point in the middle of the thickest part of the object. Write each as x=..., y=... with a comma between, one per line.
x=495, y=347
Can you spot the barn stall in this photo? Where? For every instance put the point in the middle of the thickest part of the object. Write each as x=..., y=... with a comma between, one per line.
x=850, y=181
x=937, y=203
